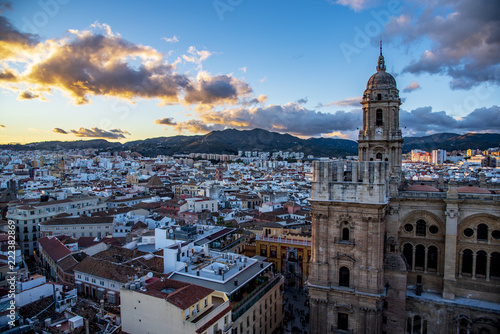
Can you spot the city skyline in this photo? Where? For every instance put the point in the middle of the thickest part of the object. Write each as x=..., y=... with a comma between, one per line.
x=71, y=71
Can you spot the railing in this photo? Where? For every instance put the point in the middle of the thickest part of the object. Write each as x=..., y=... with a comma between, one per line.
x=234, y=243
x=242, y=306
x=281, y=240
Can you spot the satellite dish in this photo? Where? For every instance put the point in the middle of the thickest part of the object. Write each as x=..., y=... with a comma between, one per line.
x=150, y=275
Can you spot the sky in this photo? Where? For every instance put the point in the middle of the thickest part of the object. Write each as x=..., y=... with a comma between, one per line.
x=130, y=70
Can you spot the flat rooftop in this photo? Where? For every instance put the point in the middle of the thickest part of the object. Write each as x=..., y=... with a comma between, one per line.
x=220, y=271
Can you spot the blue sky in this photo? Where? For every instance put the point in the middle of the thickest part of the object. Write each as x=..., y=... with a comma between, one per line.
x=128, y=70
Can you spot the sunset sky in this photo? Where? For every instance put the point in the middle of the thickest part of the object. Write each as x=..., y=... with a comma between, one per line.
x=129, y=70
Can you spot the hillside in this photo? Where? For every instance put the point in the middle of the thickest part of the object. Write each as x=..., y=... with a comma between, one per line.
x=231, y=141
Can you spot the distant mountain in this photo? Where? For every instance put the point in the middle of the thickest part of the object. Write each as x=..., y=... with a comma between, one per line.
x=452, y=141
x=231, y=141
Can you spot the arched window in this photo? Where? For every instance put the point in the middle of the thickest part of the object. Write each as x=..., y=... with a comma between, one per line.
x=415, y=325
x=344, y=277
x=467, y=262
x=421, y=228
x=345, y=234
x=432, y=257
x=408, y=254
x=379, y=117
x=420, y=256
x=495, y=265
x=379, y=156
x=482, y=232
x=481, y=263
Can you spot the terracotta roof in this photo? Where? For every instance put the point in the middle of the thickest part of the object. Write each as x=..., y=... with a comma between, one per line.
x=472, y=190
x=422, y=187
x=183, y=296
x=220, y=233
x=214, y=320
x=54, y=248
x=106, y=269
x=138, y=226
x=119, y=254
x=67, y=264
x=84, y=242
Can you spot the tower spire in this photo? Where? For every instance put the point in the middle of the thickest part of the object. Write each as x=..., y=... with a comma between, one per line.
x=381, y=62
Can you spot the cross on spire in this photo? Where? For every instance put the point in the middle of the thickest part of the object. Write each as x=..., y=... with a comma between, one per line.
x=381, y=62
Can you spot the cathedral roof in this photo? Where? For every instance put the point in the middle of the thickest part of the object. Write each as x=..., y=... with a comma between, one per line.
x=381, y=80
x=422, y=187
x=472, y=190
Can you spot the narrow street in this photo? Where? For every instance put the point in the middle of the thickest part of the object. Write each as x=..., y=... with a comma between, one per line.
x=296, y=311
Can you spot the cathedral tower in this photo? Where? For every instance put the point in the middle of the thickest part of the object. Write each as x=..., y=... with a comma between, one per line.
x=349, y=202
x=380, y=138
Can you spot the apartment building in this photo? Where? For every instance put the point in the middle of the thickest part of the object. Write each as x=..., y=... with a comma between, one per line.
x=183, y=307
x=29, y=213
x=253, y=289
x=77, y=226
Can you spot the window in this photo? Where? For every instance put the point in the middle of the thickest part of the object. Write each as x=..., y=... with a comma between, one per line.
x=468, y=232
x=481, y=263
x=206, y=302
x=345, y=234
x=420, y=256
x=379, y=117
x=421, y=228
x=495, y=265
x=344, y=277
x=408, y=254
x=378, y=156
x=379, y=97
x=343, y=321
x=432, y=257
x=482, y=232
x=467, y=262
x=433, y=229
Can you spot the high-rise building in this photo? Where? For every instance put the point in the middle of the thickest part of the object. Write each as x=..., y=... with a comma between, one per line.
x=438, y=156
x=389, y=256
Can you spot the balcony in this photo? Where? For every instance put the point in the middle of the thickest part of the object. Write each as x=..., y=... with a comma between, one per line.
x=249, y=300
x=279, y=239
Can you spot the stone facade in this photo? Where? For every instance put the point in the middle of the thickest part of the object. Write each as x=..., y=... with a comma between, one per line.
x=392, y=257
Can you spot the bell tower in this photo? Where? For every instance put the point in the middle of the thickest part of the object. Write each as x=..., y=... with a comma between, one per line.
x=380, y=139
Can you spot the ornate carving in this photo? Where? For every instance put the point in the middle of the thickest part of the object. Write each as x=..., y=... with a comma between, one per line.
x=393, y=210
x=451, y=213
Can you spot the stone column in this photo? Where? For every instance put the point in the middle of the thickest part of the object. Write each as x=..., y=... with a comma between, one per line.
x=450, y=249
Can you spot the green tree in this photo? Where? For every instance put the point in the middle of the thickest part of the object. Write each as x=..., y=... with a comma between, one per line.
x=220, y=221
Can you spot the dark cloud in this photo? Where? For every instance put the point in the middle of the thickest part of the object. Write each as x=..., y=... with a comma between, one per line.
x=101, y=63
x=303, y=100
x=289, y=118
x=99, y=133
x=411, y=87
x=27, y=95
x=218, y=89
x=59, y=130
x=13, y=40
x=465, y=38
x=165, y=121
x=7, y=75
x=424, y=120
x=348, y=102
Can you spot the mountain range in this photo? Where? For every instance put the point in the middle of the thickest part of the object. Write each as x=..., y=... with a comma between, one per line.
x=231, y=141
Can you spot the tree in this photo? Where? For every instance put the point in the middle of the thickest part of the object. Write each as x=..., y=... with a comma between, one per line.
x=220, y=221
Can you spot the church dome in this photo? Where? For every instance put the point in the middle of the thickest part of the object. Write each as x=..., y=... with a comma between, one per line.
x=381, y=80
